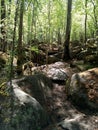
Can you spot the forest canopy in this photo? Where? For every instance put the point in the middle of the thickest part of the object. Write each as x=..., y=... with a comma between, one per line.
x=45, y=20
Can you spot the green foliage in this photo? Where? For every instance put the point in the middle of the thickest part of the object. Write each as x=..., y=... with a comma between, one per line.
x=35, y=49
x=38, y=26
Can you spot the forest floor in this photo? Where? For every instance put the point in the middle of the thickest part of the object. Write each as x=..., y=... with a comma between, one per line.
x=66, y=116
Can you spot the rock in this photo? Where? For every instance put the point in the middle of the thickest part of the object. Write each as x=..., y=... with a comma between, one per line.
x=75, y=51
x=91, y=58
x=84, y=89
x=57, y=74
x=90, y=51
x=80, y=65
x=52, y=59
x=37, y=85
x=58, y=65
x=59, y=55
x=92, y=42
x=74, y=124
x=4, y=58
x=38, y=57
x=26, y=68
x=29, y=111
x=75, y=48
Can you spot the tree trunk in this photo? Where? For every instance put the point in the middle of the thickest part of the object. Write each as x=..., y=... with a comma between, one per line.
x=95, y=17
x=11, y=74
x=49, y=21
x=59, y=37
x=9, y=9
x=19, y=47
x=34, y=19
x=68, y=31
x=3, y=32
x=85, y=21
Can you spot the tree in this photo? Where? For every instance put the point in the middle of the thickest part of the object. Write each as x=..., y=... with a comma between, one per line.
x=85, y=20
x=49, y=26
x=94, y=3
x=68, y=31
x=11, y=74
x=19, y=47
x=3, y=32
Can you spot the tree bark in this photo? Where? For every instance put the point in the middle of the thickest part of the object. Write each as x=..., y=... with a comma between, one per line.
x=11, y=74
x=19, y=47
x=85, y=21
x=3, y=32
x=59, y=37
x=49, y=5
x=68, y=31
x=95, y=17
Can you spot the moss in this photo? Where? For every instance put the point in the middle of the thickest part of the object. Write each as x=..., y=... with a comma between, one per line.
x=3, y=91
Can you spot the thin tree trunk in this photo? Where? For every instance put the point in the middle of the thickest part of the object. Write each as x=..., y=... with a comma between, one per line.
x=59, y=37
x=3, y=32
x=68, y=31
x=49, y=21
x=11, y=74
x=95, y=17
x=85, y=21
x=34, y=19
x=19, y=47
x=9, y=10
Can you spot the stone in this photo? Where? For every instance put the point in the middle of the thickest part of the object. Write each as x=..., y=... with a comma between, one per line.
x=52, y=59
x=37, y=85
x=74, y=124
x=4, y=58
x=28, y=103
x=57, y=74
x=57, y=71
x=83, y=89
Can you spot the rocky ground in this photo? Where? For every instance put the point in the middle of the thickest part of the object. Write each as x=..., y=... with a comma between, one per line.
x=63, y=115
x=66, y=116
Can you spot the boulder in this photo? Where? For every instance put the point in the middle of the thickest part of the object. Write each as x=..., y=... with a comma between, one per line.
x=28, y=104
x=59, y=71
x=74, y=124
x=26, y=68
x=75, y=51
x=91, y=58
x=83, y=89
x=52, y=59
x=4, y=58
x=36, y=85
x=57, y=74
x=30, y=108
x=90, y=51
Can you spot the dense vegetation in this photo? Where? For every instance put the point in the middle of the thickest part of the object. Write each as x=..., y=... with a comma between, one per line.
x=41, y=32
x=27, y=23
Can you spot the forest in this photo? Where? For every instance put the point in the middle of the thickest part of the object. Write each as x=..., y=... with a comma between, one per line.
x=48, y=64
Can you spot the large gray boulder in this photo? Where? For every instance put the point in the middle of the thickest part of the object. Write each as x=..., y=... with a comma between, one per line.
x=28, y=104
x=36, y=85
x=57, y=74
x=75, y=123
x=59, y=71
x=83, y=89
